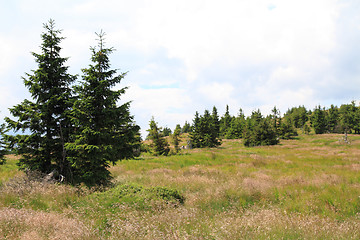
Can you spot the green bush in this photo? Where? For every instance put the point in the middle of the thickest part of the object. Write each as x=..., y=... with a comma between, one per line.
x=140, y=196
x=169, y=195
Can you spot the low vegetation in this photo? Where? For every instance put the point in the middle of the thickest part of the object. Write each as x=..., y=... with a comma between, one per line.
x=304, y=188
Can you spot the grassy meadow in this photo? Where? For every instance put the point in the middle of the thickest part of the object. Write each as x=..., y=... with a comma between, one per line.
x=305, y=188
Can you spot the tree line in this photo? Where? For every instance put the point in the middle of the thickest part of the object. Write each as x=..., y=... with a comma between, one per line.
x=209, y=129
x=74, y=128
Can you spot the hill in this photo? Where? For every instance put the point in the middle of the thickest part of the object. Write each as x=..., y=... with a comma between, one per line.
x=305, y=188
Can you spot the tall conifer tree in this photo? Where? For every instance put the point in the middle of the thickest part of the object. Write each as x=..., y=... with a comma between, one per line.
x=176, y=138
x=204, y=132
x=44, y=118
x=236, y=126
x=104, y=131
x=259, y=131
x=318, y=120
x=216, y=121
x=195, y=131
x=225, y=122
x=332, y=118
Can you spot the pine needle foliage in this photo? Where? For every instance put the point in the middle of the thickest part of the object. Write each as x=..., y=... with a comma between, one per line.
x=259, y=131
x=159, y=145
x=44, y=117
x=205, y=130
x=176, y=138
x=104, y=132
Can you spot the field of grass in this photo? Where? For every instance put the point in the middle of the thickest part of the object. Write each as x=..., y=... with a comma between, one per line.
x=306, y=188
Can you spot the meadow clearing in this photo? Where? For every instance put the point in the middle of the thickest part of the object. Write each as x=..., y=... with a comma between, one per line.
x=305, y=188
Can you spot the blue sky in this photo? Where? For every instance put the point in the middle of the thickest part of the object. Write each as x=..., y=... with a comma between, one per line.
x=186, y=56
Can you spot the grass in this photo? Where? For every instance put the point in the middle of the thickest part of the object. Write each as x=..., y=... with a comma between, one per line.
x=307, y=188
x=10, y=169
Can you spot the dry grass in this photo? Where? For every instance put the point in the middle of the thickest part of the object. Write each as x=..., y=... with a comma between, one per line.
x=30, y=224
x=276, y=224
x=10, y=169
x=300, y=189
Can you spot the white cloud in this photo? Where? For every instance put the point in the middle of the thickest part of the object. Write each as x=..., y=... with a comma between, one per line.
x=168, y=105
x=217, y=92
x=249, y=54
x=237, y=31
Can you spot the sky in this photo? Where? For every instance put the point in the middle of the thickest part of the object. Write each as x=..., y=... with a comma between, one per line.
x=190, y=55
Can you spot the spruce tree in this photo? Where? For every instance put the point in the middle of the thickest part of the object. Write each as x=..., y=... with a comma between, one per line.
x=178, y=128
x=166, y=131
x=259, y=131
x=195, y=132
x=44, y=118
x=297, y=116
x=216, y=121
x=175, y=138
x=159, y=145
x=276, y=117
x=356, y=114
x=237, y=125
x=104, y=132
x=225, y=122
x=346, y=119
x=332, y=119
x=318, y=120
x=286, y=130
x=186, y=128
x=208, y=132
x=248, y=136
x=204, y=133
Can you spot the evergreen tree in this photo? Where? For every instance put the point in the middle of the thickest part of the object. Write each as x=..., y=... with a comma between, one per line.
x=209, y=135
x=318, y=120
x=248, y=136
x=178, y=128
x=259, y=131
x=158, y=144
x=175, y=138
x=45, y=118
x=286, y=130
x=346, y=119
x=235, y=129
x=356, y=113
x=276, y=117
x=215, y=125
x=195, y=133
x=216, y=121
x=256, y=117
x=225, y=122
x=285, y=127
x=332, y=119
x=237, y=125
x=297, y=116
x=104, y=132
x=186, y=128
x=204, y=132
x=306, y=129
x=166, y=131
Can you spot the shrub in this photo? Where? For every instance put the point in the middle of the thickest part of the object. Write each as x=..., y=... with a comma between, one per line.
x=142, y=197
